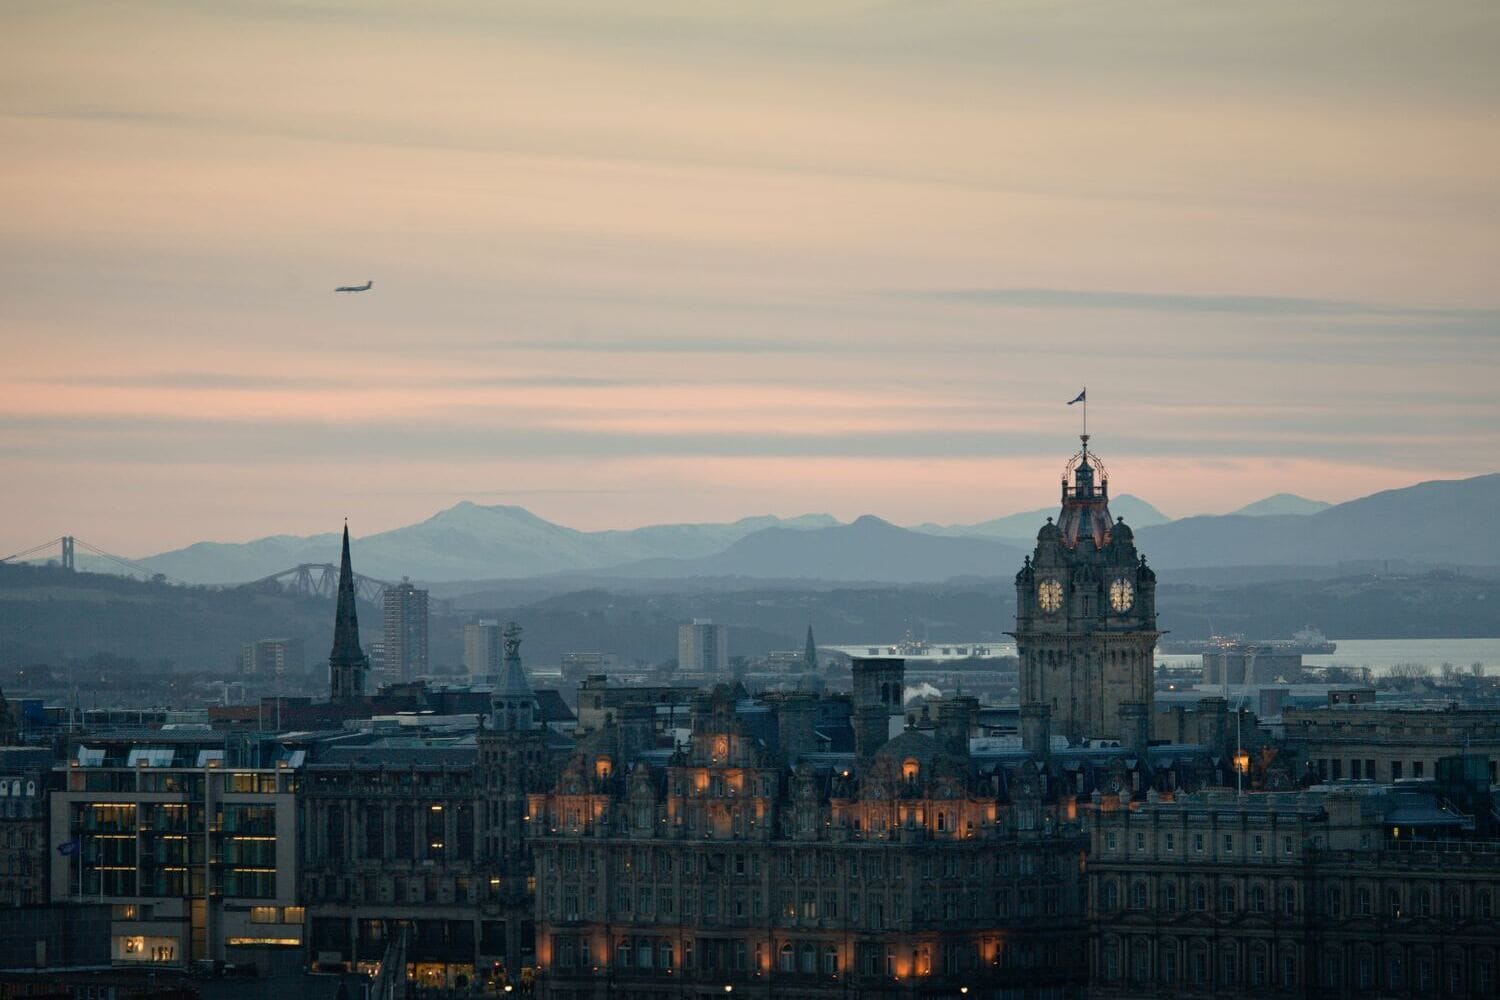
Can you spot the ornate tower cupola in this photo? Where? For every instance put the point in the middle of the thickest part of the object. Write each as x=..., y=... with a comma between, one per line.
x=1085, y=504
x=513, y=706
x=1085, y=618
x=347, y=663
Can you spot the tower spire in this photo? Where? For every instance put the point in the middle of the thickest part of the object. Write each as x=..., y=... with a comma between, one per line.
x=347, y=662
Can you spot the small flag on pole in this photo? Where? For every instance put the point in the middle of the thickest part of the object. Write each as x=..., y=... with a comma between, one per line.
x=1080, y=398
x=73, y=846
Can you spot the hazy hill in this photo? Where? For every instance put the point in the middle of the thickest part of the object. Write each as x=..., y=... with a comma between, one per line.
x=868, y=549
x=49, y=615
x=466, y=541
x=1282, y=503
x=1023, y=527
x=1443, y=521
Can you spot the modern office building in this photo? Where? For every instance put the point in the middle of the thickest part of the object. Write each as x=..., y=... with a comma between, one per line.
x=405, y=609
x=483, y=650
x=197, y=859
x=703, y=648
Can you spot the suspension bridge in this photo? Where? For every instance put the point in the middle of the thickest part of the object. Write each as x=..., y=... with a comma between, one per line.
x=303, y=580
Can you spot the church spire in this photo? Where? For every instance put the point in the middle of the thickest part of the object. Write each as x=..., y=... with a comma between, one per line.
x=347, y=662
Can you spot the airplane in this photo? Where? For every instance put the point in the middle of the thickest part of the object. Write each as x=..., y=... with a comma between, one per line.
x=355, y=288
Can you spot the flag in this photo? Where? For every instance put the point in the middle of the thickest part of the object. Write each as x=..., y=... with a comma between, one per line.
x=73, y=846
x=1079, y=398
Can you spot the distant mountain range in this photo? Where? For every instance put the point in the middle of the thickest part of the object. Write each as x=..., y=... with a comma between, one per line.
x=1441, y=522
x=468, y=542
x=868, y=549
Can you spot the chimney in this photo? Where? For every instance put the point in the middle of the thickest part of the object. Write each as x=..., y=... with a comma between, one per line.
x=796, y=718
x=872, y=728
x=1213, y=723
x=879, y=681
x=1135, y=725
x=637, y=722
x=955, y=723
x=1036, y=727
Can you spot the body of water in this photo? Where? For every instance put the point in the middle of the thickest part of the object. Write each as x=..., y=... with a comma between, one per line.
x=1380, y=655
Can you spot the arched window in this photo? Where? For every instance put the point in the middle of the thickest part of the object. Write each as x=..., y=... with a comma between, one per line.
x=622, y=953
x=1483, y=904
x=1335, y=902
x=1138, y=895
x=1111, y=896
x=1424, y=902
x=1140, y=960
x=1363, y=904
x=1227, y=899
x=809, y=960
x=1257, y=898
x=1288, y=899
x=1258, y=962
x=830, y=961
x=1200, y=896
x=1169, y=897
x=787, y=960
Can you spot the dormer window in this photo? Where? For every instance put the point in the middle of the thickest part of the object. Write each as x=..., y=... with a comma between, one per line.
x=909, y=770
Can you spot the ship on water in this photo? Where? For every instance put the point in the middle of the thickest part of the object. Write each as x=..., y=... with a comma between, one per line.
x=1304, y=642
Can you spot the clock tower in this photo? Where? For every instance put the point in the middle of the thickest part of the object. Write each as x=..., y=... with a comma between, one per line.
x=1086, y=620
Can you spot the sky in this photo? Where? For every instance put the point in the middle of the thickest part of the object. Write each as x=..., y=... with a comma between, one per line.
x=657, y=261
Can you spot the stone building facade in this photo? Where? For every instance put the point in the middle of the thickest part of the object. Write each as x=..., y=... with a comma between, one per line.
x=1344, y=892
x=24, y=851
x=732, y=863
x=430, y=837
x=391, y=838
x=1381, y=744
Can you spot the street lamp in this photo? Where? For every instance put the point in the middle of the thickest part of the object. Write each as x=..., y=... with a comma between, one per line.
x=728, y=988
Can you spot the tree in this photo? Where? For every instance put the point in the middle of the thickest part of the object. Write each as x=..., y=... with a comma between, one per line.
x=1476, y=668
x=1410, y=671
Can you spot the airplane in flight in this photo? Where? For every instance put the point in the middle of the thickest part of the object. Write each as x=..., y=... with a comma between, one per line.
x=355, y=288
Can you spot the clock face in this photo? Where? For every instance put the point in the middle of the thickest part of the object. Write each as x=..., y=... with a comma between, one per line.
x=1121, y=595
x=1049, y=595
